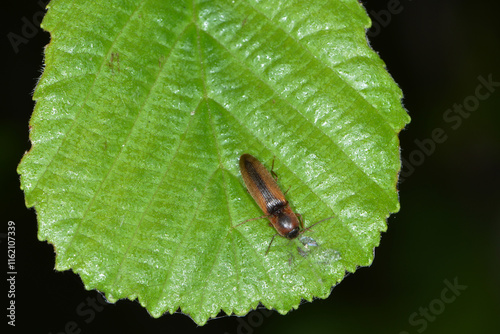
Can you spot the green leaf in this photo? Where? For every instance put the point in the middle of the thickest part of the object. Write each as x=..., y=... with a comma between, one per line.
x=142, y=112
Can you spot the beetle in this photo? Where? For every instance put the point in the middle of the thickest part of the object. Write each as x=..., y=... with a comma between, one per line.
x=265, y=191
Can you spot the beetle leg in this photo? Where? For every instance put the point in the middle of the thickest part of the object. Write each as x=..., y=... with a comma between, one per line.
x=268, y=247
x=300, y=220
x=275, y=176
x=265, y=216
x=316, y=223
x=287, y=190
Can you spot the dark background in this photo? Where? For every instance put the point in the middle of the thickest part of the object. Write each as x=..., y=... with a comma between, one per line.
x=447, y=232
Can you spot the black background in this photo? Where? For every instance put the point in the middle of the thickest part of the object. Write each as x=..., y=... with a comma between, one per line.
x=447, y=230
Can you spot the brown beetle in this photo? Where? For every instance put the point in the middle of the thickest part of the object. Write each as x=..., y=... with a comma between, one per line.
x=268, y=195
